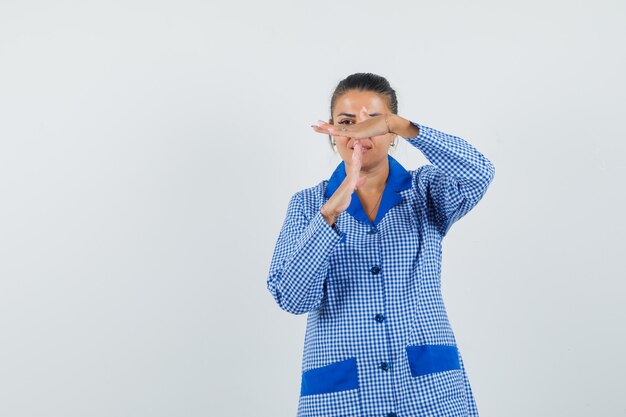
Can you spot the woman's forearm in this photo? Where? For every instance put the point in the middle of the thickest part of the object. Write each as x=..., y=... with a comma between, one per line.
x=401, y=126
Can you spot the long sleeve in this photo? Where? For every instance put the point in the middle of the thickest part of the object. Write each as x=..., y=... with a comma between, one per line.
x=301, y=259
x=457, y=179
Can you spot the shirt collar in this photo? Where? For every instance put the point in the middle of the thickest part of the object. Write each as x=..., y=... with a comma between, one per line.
x=398, y=180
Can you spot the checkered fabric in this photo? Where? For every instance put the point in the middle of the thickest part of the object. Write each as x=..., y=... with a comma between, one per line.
x=378, y=341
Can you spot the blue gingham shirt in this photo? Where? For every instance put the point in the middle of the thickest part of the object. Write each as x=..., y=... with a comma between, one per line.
x=378, y=341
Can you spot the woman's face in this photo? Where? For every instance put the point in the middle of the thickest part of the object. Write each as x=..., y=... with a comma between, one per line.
x=348, y=111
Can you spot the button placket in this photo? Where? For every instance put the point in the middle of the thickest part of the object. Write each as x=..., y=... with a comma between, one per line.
x=376, y=270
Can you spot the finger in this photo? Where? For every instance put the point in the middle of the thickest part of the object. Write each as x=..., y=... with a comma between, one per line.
x=343, y=131
x=358, y=151
x=320, y=129
x=325, y=125
x=357, y=155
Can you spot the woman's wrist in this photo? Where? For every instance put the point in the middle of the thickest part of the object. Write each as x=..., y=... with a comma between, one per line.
x=401, y=126
x=329, y=215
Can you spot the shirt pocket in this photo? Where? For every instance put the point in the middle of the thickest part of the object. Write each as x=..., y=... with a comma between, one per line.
x=437, y=385
x=332, y=389
x=427, y=359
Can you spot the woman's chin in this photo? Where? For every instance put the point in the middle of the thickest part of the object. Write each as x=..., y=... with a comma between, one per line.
x=367, y=162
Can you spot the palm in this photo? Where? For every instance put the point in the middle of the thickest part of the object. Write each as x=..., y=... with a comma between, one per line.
x=368, y=127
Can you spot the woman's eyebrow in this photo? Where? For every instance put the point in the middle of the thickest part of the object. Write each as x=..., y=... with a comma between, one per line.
x=352, y=115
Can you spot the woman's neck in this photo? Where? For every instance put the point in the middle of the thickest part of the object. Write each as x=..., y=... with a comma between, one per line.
x=376, y=178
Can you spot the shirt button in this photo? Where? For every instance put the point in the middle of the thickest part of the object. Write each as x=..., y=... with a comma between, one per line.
x=375, y=270
x=384, y=366
x=372, y=231
x=379, y=317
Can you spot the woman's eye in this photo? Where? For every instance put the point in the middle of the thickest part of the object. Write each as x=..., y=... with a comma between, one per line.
x=345, y=122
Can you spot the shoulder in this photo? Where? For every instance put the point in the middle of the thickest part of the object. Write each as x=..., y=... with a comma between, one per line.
x=309, y=200
x=423, y=170
x=424, y=177
x=423, y=173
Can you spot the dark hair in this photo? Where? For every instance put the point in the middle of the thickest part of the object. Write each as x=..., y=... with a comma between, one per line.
x=365, y=81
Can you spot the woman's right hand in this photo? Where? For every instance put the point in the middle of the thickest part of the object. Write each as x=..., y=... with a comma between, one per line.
x=340, y=200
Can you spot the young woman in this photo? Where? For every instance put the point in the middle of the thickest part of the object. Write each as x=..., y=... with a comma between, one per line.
x=361, y=254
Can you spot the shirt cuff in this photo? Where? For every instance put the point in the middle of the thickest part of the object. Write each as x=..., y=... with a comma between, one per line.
x=319, y=223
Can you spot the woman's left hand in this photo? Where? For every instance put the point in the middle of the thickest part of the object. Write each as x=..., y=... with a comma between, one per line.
x=370, y=126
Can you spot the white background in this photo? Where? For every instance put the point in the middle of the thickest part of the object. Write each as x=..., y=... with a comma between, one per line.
x=148, y=150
